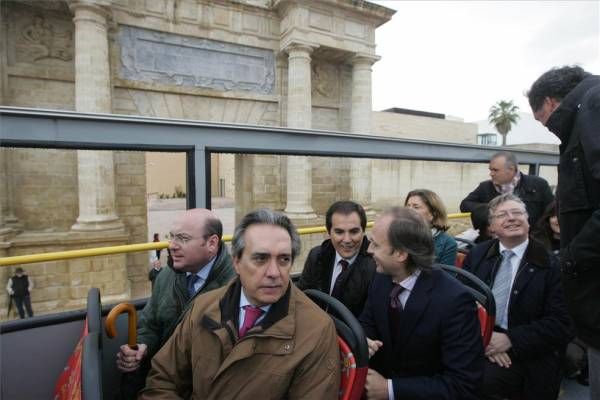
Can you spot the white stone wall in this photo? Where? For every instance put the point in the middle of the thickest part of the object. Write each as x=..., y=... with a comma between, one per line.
x=423, y=128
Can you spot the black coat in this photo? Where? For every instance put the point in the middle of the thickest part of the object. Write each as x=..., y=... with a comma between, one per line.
x=318, y=270
x=539, y=326
x=438, y=353
x=576, y=122
x=533, y=190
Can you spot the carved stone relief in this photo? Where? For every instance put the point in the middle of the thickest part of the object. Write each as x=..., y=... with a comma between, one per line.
x=325, y=84
x=39, y=36
x=166, y=58
x=46, y=41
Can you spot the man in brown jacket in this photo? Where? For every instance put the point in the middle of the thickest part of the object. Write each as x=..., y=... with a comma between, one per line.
x=257, y=338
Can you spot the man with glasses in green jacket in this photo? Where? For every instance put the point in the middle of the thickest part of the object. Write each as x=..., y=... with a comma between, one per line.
x=199, y=262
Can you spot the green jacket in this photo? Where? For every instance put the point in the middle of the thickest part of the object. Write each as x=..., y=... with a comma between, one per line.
x=170, y=301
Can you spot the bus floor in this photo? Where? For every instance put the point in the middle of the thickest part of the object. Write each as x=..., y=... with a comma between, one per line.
x=572, y=390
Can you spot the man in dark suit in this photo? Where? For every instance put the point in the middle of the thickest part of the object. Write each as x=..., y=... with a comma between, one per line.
x=506, y=178
x=532, y=325
x=421, y=323
x=341, y=266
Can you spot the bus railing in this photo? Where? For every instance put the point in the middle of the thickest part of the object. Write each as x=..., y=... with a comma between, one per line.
x=131, y=248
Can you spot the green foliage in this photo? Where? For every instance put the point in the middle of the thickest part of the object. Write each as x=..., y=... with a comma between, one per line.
x=503, y=115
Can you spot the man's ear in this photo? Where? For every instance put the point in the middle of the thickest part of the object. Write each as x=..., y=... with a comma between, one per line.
x=236, y=263
x=214, y=241
x=401, y=256
x=553, y=101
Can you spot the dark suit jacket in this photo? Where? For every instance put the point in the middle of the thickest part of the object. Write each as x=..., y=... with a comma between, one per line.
x=318, y=270
x=539, y=326
x=439, y=354
x=533, y=190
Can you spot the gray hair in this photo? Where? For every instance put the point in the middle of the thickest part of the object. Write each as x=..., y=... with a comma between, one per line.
x=264, y=216
x=408, y=232
x=501, y=199
x=510, y=160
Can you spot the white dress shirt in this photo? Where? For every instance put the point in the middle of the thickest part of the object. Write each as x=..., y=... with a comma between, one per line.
x=337, y=268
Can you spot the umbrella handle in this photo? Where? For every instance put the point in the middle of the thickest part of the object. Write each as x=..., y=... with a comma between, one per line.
x=111, y=323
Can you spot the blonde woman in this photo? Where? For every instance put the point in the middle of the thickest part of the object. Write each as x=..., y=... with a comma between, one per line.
x=431, y=208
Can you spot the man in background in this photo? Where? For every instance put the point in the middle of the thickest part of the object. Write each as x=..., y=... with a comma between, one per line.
x=19, y=288
x=506, y=178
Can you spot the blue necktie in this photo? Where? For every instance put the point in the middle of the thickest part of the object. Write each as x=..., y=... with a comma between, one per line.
x=502, y=284
x=191, y=280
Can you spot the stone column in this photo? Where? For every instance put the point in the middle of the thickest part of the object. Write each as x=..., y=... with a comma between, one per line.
x=3, y=187
x=7, y=184
x=96, y=174
x=360, y=123
x=299, y=114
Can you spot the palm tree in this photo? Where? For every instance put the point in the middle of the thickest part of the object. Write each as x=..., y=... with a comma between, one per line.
x=503, y=115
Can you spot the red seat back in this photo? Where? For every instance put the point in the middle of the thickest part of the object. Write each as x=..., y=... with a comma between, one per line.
x=353, y=377
x=486, y=306
x=460, y=259
x=486, y=323
x=354, y=353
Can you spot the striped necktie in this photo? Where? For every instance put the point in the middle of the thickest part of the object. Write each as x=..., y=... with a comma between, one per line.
x=502, y=284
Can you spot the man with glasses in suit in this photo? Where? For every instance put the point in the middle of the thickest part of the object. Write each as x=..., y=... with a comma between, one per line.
x=533, y=328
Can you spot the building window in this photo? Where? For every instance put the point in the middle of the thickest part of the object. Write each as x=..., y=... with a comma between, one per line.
x=487, y=139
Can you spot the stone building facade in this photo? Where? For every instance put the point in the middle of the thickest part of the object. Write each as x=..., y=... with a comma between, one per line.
x=295, y=63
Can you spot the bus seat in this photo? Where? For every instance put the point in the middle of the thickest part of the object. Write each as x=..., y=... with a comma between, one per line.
x=91, y=367
x=486, y=306
x=94, y=311
x=354, y=353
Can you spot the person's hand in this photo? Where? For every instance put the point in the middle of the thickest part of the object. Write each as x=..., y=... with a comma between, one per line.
x=11, y=292
x=500, y=343
x=502, y=359
x=376, y=386
x=128, y=360
x=373, y=345
x=156, y=264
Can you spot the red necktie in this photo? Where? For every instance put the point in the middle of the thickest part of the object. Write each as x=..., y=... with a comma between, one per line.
x=395, y=302
x=251, y=315
x=395, y=311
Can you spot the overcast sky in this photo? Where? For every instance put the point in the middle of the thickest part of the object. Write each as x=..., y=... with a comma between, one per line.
x=460, y=57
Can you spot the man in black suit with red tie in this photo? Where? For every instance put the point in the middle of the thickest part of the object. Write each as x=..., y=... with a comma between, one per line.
x=421, y=323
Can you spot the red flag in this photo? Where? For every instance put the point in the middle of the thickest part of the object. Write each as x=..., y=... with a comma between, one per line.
x=68, y=385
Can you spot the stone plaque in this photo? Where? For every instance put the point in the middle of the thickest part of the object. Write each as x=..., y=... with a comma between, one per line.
x=167, y=58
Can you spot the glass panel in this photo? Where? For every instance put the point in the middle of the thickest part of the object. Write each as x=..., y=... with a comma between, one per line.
x=60, y=200
x=254, y=181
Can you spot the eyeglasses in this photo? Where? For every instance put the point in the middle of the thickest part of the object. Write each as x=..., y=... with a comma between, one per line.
x=509, y=213
x=179, y=238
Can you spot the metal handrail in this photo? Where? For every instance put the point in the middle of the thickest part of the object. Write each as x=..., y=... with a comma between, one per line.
x=131, y=248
